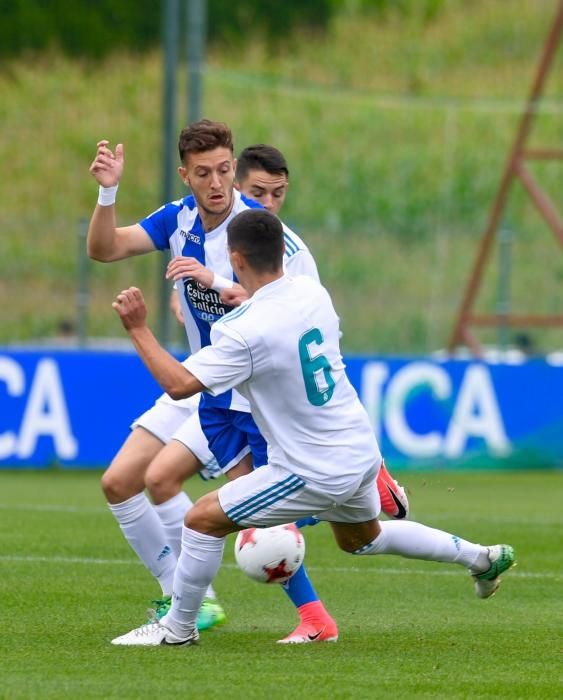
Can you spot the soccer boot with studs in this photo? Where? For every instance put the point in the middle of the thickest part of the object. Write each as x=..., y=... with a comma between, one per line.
x=501, y=558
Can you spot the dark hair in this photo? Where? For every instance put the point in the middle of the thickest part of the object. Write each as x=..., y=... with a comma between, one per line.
x=204, y=135
x=260, y=156
x=258, y=235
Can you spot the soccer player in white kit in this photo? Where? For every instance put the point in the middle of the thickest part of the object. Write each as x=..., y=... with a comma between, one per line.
x=167, y=446
x=281, y=350
x=194, y=228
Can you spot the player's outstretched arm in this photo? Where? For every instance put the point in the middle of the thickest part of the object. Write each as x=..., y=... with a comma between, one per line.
x=172, y=376
x=106, y=242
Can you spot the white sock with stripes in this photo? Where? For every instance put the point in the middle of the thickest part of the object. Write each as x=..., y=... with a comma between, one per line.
x=198, y=564
x=172, y=513
x=143, y=530
x=416, y=541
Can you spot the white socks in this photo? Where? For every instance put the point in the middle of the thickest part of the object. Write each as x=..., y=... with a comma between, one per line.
x=416, y=541
x=172, y=513
x=197, y=566
x=145, y=533
x=155, y=533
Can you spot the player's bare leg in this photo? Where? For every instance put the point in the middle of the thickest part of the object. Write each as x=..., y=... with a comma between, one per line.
x=168, y=471
x=125, y=476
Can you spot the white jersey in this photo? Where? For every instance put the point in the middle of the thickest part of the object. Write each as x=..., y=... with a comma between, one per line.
x=281, y=350
x=178, y=226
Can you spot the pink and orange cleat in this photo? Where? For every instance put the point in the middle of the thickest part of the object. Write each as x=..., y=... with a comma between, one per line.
x=394, y=501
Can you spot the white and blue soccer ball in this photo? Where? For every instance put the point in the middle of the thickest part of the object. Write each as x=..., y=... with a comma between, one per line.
x=270, y=555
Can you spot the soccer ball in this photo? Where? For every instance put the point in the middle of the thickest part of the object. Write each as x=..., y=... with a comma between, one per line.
x=270, y=555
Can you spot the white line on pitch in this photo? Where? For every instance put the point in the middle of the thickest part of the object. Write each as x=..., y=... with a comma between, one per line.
x=52, y=508
x=436, y=517
x=331, y=569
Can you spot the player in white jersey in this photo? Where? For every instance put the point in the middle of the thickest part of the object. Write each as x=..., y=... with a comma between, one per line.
x=262, y=174
x=281, y=350
x=194, y=229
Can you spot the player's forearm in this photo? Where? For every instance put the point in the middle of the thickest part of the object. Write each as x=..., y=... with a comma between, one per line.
x=172, y=376
x=102, y=234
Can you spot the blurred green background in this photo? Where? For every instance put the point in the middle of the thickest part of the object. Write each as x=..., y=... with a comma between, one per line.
x=395, y=117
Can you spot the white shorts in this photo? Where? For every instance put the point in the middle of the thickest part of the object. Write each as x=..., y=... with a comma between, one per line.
x=191, y=436
x=166, y=416
x=179, y=420
x=273, y=495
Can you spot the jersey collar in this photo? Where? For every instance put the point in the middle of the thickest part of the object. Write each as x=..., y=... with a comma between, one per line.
x=271, y=287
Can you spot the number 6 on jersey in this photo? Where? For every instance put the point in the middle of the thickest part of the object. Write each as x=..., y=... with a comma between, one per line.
x=312, y=366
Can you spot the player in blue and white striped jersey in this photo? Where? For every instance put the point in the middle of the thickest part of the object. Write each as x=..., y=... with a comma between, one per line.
x=178, y=226
x=194, y=229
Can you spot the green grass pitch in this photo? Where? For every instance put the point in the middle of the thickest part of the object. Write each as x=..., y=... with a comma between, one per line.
x=408, y=629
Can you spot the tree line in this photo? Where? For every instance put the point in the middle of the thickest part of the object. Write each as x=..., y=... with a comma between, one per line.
x=95, y=28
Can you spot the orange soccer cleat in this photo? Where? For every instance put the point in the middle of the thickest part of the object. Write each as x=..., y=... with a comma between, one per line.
x=308, y=632
x=394, y=501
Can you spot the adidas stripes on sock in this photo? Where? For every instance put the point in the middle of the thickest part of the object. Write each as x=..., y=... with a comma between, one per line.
x=416, y=541
x=145, y=533
x=172, y=513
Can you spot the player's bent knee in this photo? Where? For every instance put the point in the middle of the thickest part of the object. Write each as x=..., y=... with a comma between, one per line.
x=202, y=516
x=111, y=486
x=346, y=547
x=351, y=537
x=161, y=485
x=196, y=519
x=208, y=518
x=350, y=547
x=117, y=487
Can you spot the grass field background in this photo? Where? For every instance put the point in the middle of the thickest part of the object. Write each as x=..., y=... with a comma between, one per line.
x=408, y=629
x=395, y=129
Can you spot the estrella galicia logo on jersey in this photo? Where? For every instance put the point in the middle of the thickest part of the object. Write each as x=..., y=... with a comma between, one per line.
x=189, y=236
x=205, y=303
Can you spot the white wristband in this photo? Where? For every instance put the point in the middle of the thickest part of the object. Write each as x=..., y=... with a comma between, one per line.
x=219, y=283
x=107, y=195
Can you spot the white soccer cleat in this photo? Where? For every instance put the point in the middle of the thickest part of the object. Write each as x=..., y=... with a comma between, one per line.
x=501, y=558
x=154, y=634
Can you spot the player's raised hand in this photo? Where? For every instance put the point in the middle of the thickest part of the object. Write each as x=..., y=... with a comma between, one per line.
x=180, y=267
x=107, y=166
x=131, y=309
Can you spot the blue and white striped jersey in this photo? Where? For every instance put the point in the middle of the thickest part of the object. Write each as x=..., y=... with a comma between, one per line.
x=178, y=226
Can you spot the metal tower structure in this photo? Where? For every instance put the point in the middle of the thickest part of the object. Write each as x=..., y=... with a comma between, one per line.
x=515, y=168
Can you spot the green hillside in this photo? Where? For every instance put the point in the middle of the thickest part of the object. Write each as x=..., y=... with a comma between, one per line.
x=395, y=128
